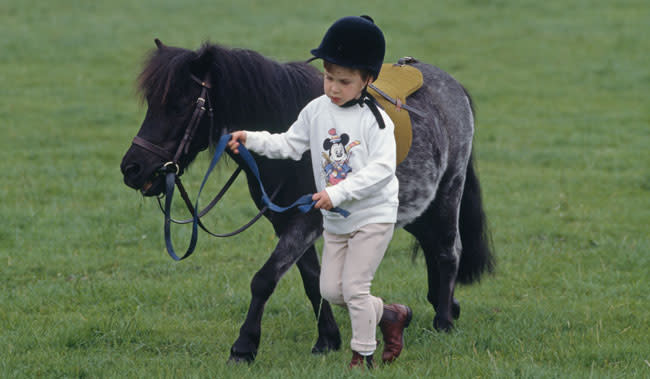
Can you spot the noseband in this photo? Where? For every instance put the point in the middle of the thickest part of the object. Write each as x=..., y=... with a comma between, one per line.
x=172, y=163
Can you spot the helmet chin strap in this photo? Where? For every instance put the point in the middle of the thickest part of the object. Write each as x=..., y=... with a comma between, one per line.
x=370, y=102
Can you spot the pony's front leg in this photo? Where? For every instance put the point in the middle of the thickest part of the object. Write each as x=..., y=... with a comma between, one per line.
x=297, y=236
x=329, y=337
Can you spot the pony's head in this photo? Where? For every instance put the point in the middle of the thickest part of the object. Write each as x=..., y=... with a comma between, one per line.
x=174, y=86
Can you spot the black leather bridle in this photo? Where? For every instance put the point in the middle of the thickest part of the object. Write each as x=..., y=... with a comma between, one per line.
x=183, y=148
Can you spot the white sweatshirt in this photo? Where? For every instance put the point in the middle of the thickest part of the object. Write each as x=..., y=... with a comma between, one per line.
x=352, y=159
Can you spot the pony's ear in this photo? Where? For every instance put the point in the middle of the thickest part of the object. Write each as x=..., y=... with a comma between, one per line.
x=159, y=44
x=202, y=63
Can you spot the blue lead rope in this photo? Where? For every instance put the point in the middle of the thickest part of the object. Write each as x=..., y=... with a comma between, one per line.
x=304, y=202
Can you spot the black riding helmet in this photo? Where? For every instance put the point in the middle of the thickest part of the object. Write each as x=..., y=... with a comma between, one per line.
x=354, y=42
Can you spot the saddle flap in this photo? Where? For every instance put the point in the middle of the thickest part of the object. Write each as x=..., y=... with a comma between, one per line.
x=398, y=81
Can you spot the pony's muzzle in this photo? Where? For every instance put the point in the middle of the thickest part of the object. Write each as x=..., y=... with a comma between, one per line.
x=132, y=171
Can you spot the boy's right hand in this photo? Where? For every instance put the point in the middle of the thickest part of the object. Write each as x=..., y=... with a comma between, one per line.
x=238, y=137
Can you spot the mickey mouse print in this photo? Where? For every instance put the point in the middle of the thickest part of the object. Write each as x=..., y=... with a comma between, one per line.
x=336, y=157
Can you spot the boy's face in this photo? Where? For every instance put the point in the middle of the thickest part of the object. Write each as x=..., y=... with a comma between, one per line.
x=342, y=84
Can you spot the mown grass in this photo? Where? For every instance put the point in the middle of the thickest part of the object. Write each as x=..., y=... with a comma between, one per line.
x=562, y=147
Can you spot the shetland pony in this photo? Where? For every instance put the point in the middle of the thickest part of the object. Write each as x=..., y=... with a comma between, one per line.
x=439, y=192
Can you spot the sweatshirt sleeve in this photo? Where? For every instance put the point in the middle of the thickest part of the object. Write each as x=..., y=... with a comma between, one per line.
x=290, y=144
x=377, y=173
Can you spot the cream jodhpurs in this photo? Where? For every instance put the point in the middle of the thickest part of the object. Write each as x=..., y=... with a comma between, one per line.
x=349, y=263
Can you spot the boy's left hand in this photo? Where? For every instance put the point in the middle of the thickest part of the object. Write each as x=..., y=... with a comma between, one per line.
x=322, y=200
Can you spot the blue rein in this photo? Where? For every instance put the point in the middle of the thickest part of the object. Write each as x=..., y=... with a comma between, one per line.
x=304, y=202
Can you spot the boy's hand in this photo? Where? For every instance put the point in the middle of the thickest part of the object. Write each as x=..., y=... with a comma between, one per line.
x=322, y=200
x=238, y=137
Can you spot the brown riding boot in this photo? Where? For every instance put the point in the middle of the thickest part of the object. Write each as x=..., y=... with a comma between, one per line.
x=357, y=361
x=395, y=319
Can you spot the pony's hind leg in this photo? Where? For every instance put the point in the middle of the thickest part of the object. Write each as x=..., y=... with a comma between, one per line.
x=299, y=234
x=437, y=233
x=446, y=208
x=329, y=337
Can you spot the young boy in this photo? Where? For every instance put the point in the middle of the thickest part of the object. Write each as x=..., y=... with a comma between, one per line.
x=353, y=157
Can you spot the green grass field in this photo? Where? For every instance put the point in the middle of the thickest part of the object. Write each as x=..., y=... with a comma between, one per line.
x=87, y=290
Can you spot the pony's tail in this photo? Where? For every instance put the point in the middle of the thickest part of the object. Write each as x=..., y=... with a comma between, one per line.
x=476, y=257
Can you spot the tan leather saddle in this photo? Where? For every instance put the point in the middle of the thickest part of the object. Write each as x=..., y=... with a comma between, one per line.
x=396, y=82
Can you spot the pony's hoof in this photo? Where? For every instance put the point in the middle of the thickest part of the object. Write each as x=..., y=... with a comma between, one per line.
x=240, y=357
x=323, y=346
x=442, y=325
x=455, y=309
